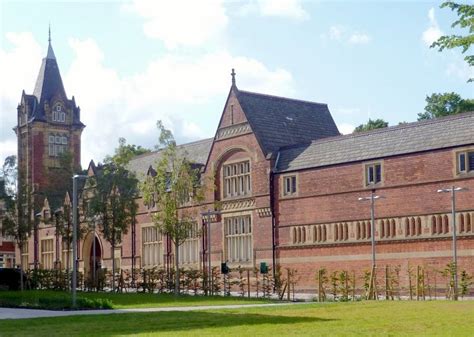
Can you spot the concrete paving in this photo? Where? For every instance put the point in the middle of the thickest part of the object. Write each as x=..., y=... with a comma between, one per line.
x=15, y=313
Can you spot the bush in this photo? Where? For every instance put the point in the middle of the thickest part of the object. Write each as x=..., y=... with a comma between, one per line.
x=50, y=301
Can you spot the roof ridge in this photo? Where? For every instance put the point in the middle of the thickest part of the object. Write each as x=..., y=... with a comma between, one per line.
x=384, y=130
x=180, y=145
x=280, y=97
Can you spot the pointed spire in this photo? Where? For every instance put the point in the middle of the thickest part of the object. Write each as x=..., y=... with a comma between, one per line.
x=50, y=54
x=233, y=77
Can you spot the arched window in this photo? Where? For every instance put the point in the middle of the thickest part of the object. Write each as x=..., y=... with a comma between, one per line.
x=461, y=223
x=439, y=224
x=346, y=232
x=412, y=227
x=369, y=229
x=407, y=227
x=324, y=233
x=336, y=232
x=469, y=222
x=382, y=228
x=387, y=229
x=363, y=230
x=394, y=228
x=295, y=236
x=446, y=224
x=433, y=225
x=358, y=230
x=418, y=226
x=303, y=236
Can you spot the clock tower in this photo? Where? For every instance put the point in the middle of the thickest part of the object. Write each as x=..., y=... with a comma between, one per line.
x=49, y=138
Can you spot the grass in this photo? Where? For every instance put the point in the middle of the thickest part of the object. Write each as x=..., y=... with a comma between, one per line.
x=54, y=299
x=436, y=318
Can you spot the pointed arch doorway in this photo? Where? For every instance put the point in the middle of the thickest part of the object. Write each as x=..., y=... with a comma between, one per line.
x=92, y=255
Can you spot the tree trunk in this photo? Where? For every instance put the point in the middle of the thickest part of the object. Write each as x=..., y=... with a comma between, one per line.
x=21, y=267
x=113, y=265
x=176, y=281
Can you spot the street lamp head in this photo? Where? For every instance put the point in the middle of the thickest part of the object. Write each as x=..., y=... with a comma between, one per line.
x=79, y=176
x=461, y=189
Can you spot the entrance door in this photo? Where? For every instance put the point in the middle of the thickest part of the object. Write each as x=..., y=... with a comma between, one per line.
x=94, y=269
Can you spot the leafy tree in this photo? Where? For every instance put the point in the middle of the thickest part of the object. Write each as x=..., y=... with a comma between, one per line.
x=111, y=202
x=175, y=185
x=450, y=103
x=16, y=222
x=465, y=21
x=371, y=125
x=9, y=174
x=125, y=152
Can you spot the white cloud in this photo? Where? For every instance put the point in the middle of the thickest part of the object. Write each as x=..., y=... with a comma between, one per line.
x=19, y=68
x=459, y=68
x=346, y=35
x=359, y=38
x=346, y=128
x=181, y=22
x=283, y=8
x=433, y=32
x=171, y=88
x=335, y=32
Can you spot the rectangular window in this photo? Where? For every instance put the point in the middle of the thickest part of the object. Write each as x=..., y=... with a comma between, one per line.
x=238, y=239
x=47, y=254
x=189, y=250
x=373, y=173
x=66, y=255
x=152, y=246
x=289, y=185
x=237, y=179
x=465, y=162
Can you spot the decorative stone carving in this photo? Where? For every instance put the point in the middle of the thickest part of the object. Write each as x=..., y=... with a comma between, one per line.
x=234, y=205
x=233, y=130
x=264, y=212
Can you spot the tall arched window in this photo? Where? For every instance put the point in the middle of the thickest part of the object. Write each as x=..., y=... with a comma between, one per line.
x=336, y=232
x=433, y=225
x=439, y=224
x=445, y=224
x=363, y=230
x=358, y=230
x=303, y=236
x=369, y=229
x=324, y=233
x=461, y=223
x=394, y=228
x=418, y=226
x=382, y=228
x=469, y=222
x=412, y=226
x=407, y=227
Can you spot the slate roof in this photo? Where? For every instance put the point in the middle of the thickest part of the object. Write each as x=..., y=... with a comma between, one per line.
x=48, y=85
x=196, y=152
x=456, y=130
x=278, y=121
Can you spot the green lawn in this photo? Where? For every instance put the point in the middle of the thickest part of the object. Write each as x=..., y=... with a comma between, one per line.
x=123, y=300
x=441, y=318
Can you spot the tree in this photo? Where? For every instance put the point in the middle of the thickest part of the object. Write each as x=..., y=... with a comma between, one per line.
x=125, y=152
x=175, y=188
x=9, y=173
x=465, y=21
x=450, y=103
x=111, y=202
x=371, y=125
x=16, y=222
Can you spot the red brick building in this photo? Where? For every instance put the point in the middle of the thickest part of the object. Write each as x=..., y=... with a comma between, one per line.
x=288, y=185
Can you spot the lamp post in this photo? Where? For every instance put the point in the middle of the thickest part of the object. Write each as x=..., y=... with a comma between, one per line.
x=75, y=178
x=372, y=199
x=207, y=215
x=453, y=190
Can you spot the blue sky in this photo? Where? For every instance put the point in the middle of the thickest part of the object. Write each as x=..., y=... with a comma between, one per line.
x=131, y=63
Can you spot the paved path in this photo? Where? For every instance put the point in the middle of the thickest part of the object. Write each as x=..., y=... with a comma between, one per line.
x=15, y=313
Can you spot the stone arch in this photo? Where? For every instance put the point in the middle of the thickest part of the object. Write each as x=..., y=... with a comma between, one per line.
x=88, y=246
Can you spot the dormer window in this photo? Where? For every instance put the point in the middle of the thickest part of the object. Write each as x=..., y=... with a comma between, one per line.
x=58, y=114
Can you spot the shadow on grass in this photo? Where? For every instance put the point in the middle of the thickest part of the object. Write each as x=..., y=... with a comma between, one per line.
x=136, y=323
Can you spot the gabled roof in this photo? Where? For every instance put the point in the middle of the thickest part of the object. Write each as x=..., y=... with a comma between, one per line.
x=196, y=152
x=278, y=121
x=440, y=133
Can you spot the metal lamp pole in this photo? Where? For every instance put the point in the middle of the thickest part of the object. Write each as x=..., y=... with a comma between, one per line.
x=75, y=178
x=207, y=215
x=453, y=191
x=372, y=199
